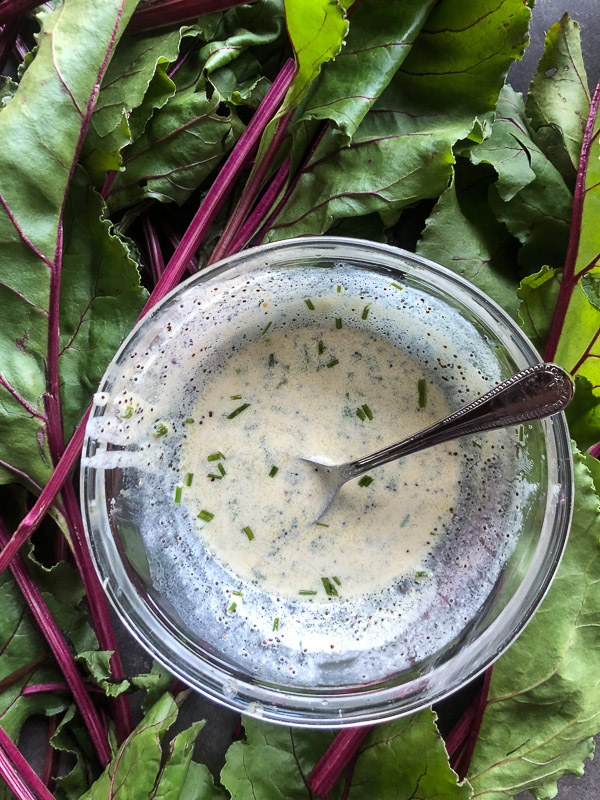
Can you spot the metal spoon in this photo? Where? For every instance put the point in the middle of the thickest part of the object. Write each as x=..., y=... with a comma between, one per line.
x=534, y=393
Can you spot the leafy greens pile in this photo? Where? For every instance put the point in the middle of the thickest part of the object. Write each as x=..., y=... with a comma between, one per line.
x=141, y=144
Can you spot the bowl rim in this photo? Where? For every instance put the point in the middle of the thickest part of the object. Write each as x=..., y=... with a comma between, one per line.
x=302, y=707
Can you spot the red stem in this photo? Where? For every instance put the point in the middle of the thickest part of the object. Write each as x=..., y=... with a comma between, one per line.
x=174, y=240
x=254, y=221
x=20, y=49
x=155, y=256
x=61, y=652
x=463, y=743
x=38, y=688
x=338, y=755
x=250, y=192
x=52, y=758
x=17, y=773
x=222, y=186
x=569, y=279
x=8, y=37
x=110, y=179
x=160, y=13
x=16, y=8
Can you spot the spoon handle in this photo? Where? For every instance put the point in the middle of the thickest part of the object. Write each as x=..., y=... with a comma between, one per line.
x=534, y=393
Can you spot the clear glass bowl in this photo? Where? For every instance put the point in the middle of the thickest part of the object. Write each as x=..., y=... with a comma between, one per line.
x=488, y=573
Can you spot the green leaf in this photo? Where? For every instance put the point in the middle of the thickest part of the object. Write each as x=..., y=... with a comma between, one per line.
x=530, y=196
x=538, y=293
x=544, y=700
x=71, y=737
x=463, y=235
x=558, y=99
x=583, y=415
x=135, y=767
x=445, y=90
x=379, y=39
x=180, y=777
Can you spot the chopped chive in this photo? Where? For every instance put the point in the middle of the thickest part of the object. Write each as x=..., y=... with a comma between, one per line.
x=188, y=421
x=339, y=288
x=365, y=480
x=422, y=388
x=160, y=430
x=309, y=303
x=272, y=360
x=273, y=472
x=338, y=323
x=232, y=608
x=178, y=490
x=276, y=624
x=396, y=286
x=360, y=414
x=127, y=412
x=266, y=328
x=189, y=478
x=235, y=397
x=365, y=311
x=248, y=531
x=321, y=524
x=333, y=363
x=329, y=587
x=236, y=593
x=521, y=433
x=476, y=444
x=215, y=456
x=321, y=348
x=214, y=476
x=206, y=516
x=405, y=520
x=221, y=469
x=367, y=411
x=238, y=411
x=337, y=580
x=306, y=591
x=423, y=573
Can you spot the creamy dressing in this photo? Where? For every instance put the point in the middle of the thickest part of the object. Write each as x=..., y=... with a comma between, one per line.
x=304, y=393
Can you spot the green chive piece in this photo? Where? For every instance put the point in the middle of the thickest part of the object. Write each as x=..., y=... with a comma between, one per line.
x=178, y=490
x=236, y=593
x=232, y=608
x=189, y=478
x=188, y=421
x=365, y=480
x=272, y=360
x=330, y=589
x=215, y=456
x=248, y=531
x=273, y=472
x=309, y=303
x=306, y=591
x=338, y=323
x=368, y=412
x=339, y=288
x=422, y=388
x=337, y=580
x=405, y=520
x=238, y=410
x=321, y=524
x=333, y=363
x=360, y=414
x=396, y=286
x=423, y=573
x=365, y=311
x=521, y=433
x=221, y=469
x=476, y=444
x=321, y=348
x=160, y=430
x=266, y=328
x=206, y=516
x=235, y=397
x=127, y=412
x=276, y=624
x=214, y=476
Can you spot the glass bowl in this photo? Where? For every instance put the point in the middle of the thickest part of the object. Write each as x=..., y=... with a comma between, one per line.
x=325, y=657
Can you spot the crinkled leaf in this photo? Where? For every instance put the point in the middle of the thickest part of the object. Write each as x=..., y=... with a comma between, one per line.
x=379, y=39
x=530, y=196
x=463, y=235
x=445, y=90
x=180, y=777
x=156, y=683
x=538, y=293
x=558, y=99
x=400, y=760
x=101, y=298
x=71, y=737
x=132, y=773
x=544, y=700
